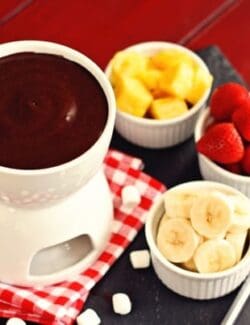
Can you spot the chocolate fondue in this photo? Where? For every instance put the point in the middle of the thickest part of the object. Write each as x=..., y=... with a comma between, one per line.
x=51, y=110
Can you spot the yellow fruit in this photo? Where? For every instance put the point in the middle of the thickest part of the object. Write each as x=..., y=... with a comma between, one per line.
x=189, y=265
x=177, y=80
x=169, y=58
x=150, y=78
x=167, y=108
x=132, y=96
x=129, y=64
x=202, y=80
x=157, y=93
x=238, y=241
x=171, y=76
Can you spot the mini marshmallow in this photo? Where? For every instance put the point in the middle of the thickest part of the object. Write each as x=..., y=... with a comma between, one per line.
x=121, y=303
x=130, y=196
x=140, y=259
x=88, y=317
x=15, y=321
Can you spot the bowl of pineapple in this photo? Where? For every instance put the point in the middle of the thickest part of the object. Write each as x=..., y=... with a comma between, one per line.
x=160, y=88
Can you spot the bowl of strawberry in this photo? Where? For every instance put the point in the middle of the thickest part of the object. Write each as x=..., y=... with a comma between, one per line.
x=222, y=137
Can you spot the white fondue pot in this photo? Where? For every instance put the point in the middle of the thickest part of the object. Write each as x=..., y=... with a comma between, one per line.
x=54, y=222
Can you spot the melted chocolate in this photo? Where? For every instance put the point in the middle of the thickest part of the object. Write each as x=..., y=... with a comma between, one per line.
x=51, y=110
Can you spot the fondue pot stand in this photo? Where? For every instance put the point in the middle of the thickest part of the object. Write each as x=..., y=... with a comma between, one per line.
x=54, y=222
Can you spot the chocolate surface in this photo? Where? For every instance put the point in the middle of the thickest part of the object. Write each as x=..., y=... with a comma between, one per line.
x=51, y=110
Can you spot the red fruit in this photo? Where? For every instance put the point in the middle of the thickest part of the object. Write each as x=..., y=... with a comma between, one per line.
x=222, y=143
x=245, y=163
x=233, y=168
x=241, y=120
x=209, y=126
x=226, y=98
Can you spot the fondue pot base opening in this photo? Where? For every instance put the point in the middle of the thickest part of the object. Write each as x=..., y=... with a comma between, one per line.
x=50, y=244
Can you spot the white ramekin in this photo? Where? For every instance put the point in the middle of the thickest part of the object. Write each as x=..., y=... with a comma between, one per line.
x=151, y=133
x=186, y=283
x=210, y=170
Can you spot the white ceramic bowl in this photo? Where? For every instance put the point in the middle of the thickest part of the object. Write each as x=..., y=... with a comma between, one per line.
x=210, y=170
x=41, y=186
x=186, y=283
x=151, y=133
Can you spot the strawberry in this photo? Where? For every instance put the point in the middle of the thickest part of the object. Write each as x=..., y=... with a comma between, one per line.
x=245, y=163
x=226, y=98
x=234, y=168
x=241, y=120
x=209, y=126
x=222, y=143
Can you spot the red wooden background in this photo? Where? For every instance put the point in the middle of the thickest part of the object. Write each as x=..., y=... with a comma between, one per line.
x=99, y=28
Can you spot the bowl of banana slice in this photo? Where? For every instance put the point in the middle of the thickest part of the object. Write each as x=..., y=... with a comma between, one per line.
x=160, y=88
x=198, y=235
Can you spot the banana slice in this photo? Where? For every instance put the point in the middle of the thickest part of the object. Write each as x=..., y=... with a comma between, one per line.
x=177, y=240
x=189, y=265
x=211, y=214
x=238, y=242
x=214, y=255
x=178, y=205
x=241, y=216
x=164, y=218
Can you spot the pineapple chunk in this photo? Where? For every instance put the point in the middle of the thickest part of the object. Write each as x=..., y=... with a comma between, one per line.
x=169, y=58
x=168, y=79
x=158, y=93
x=150, y=78
x=129, y=64
x=177, y=80
x=132, y=97
x=167, y=108
x=202, y=81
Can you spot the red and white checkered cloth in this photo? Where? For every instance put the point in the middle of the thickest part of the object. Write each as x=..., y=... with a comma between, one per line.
x=61, y=303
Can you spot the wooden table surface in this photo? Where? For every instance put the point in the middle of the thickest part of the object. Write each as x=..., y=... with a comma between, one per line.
x=99, y=29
